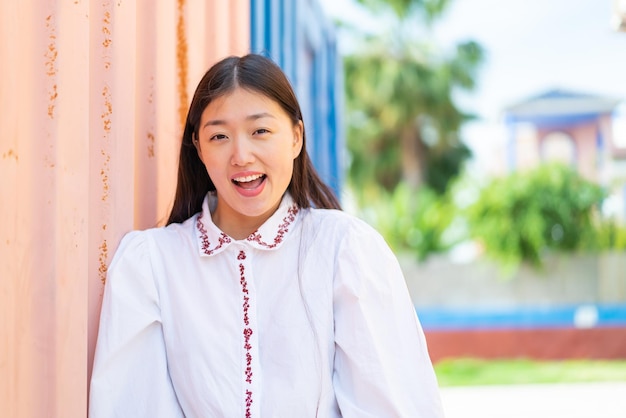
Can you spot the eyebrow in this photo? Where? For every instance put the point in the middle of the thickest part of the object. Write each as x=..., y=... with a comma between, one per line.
x=255, y=116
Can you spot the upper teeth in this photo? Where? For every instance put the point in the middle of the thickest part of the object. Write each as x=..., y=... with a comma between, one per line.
x=248, y=178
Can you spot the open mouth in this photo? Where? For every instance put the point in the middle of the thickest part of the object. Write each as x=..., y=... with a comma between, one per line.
x=249, y=182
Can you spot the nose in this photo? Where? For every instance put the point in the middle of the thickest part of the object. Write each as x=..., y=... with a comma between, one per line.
x=242, y=151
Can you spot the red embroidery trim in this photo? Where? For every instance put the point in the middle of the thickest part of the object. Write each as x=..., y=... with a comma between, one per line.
x=247, y=331
x=282, y=230
x=223, y=239
x=248, y=403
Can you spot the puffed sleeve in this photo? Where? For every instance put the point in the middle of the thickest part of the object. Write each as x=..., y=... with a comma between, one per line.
x=382, y=367
x=130, y=376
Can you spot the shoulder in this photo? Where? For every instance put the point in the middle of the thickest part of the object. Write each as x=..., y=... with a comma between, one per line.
x=140, y=243
x=333, y=218
x=132, y=244
x=342, y=228
x=141, y=253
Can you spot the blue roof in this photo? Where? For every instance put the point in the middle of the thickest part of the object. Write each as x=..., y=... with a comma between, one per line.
x=561, y=105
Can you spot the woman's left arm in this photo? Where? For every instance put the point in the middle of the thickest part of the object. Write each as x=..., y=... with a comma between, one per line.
x=382, y=367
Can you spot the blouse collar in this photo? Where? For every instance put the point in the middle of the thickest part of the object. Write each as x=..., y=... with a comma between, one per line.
x=269, y=236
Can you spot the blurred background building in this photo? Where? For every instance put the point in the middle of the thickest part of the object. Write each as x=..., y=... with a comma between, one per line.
x=573, y=128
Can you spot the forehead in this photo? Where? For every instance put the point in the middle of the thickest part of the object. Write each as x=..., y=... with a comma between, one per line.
x=240, y=104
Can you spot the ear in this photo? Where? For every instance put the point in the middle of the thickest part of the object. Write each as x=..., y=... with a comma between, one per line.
x=298, y=138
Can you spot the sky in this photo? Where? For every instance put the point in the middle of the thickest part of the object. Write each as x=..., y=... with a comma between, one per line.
x=531, y=46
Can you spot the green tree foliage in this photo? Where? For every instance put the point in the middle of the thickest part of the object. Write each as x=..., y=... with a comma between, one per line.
x=415, y=222
x=519, y=217
x=428, y=9
x=610, y=235
x=403, y=123
x=516, y=219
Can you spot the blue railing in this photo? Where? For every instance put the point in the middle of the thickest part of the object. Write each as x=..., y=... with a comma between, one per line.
x=577, y=316
x=297, y=36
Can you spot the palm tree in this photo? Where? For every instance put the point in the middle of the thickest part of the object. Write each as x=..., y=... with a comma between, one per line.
x=402, y=122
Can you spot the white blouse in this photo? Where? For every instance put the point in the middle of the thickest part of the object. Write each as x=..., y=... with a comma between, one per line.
x=307, y=317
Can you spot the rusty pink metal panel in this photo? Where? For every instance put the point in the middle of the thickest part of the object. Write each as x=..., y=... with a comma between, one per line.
x=92, y=96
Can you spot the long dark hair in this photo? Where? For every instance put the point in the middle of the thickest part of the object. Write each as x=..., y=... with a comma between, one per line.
x=257, y=73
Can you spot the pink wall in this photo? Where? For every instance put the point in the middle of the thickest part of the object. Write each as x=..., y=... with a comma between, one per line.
x=92, y=96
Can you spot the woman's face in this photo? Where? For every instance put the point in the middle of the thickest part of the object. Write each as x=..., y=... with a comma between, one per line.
x=248, y=145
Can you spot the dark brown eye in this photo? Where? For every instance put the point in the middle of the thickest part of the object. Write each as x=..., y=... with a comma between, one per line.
x=218, y=137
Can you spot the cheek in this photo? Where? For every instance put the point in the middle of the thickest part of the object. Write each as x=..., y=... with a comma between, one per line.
x=210, y=164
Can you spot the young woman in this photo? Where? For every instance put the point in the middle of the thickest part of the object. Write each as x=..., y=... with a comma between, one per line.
x=260, y=298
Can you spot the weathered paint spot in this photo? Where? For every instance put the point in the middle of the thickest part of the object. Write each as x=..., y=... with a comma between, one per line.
x=50, y=63
x=150, y=133
x=10, y=154
x=51, y=56
x=51, y=52
x=106, y=127
x=51, y=100
x=150, y=145
x=182, y=63
x=107, y=41
x=107, y=21
x=102, y=259
x=108, y=110
x=151, y=94
x=104, y=175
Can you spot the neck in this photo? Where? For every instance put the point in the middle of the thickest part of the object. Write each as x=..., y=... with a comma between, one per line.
x=237, y=229
x=236, y=225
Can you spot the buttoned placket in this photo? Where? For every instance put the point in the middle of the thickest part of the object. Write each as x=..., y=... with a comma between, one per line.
x=212, y=242
x=249, y=335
